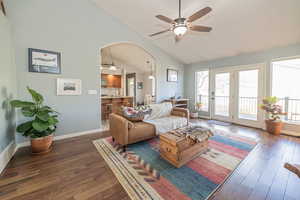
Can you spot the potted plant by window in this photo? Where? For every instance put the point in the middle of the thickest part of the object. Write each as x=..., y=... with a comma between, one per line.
x=42, y=122
x=273, y=123
x=198, y=107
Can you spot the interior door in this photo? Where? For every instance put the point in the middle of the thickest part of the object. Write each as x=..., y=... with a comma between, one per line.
x=236, y=94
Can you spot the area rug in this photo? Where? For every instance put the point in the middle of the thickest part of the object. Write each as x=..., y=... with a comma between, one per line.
x=145, y=175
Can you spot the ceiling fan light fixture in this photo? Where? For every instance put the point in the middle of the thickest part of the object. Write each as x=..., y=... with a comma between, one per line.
x=180, y=30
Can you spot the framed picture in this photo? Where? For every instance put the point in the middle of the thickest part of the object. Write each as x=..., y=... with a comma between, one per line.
x=44, y=61
x=2, y=7
x=172, y=75
x=140, y=85
x=68, y=86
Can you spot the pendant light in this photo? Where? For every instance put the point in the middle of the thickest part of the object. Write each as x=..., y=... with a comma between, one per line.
x=151, y=75
x=112, y=66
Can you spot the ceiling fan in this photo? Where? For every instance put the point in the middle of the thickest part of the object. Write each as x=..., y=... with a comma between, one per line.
x=181, y=25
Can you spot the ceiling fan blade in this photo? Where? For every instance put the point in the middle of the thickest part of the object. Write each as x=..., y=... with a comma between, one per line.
x=165, y=19
x=154, y=34
x=201, y=28
x=199, y=14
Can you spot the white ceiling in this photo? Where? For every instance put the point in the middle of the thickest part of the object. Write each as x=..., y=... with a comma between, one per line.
x=239, y=26
x=126, y=54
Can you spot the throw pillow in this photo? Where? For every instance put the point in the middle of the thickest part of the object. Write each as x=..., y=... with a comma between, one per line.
x=136, y=114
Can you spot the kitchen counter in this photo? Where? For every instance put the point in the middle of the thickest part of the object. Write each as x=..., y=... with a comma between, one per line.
x=113, y=104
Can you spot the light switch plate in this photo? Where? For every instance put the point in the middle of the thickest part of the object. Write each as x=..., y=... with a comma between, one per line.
x=92, y=92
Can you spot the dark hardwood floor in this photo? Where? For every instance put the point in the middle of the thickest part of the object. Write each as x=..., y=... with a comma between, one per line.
x=74, y=170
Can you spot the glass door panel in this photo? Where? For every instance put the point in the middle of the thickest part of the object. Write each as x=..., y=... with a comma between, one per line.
x=202, y=91
x=236, y=93
x=248, y=94
x=222, y=94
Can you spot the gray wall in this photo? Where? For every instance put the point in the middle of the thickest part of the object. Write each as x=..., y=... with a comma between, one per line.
x=244, y=59
x=7, y=84
x=77, y=29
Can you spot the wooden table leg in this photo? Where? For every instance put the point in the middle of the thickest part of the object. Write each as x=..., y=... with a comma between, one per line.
x=295, y=168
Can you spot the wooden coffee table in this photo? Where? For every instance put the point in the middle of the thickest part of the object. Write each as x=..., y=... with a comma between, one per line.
x=177, y=149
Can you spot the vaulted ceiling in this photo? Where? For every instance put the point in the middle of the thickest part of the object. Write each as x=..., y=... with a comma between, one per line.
x=239, y=26
x=127, y=54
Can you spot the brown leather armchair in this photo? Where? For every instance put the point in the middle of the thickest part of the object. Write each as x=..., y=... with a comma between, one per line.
x=127, y=132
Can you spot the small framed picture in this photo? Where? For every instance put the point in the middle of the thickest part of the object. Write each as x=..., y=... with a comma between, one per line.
x=172, y=75
x=68, y=86
x=44, y=61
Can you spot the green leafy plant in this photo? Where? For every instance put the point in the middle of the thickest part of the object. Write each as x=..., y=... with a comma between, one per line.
x=272, y=108
x=43, y=118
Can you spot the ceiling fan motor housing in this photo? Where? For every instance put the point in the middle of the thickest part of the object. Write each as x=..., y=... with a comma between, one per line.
x=180, y=21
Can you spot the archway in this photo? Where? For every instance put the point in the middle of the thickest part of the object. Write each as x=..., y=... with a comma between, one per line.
x=128, y=78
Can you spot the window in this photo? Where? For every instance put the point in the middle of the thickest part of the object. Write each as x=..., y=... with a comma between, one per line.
x=285, y=86
x=202, y=89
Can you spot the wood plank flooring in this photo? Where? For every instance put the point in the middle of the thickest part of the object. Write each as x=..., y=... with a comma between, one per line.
x=74, y=170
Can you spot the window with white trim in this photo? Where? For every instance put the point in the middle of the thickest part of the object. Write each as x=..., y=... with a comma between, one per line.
x=285, y=86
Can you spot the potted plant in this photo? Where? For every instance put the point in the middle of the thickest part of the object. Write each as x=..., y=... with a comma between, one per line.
x=198, y=107
x=273, y=123
x=42, y=122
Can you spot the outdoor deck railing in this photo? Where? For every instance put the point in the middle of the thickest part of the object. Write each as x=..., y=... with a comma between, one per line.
x=292, y=107
x=249, y=105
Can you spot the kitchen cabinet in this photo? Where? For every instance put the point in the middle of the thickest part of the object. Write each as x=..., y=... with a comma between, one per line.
x=111, y=81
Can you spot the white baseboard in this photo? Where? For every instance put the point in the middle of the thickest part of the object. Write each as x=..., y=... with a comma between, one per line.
x=7, y=154
x=204, y=117
x=61, y=137
x=65, y=136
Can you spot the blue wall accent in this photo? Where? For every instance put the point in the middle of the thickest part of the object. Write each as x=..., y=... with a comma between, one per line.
x=77, y=29
x=7, y=84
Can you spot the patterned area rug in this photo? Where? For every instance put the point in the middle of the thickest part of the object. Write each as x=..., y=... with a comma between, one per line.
x=145, y=175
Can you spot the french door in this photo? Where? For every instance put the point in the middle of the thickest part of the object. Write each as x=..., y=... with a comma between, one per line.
x=202, y=79
x=236, y=93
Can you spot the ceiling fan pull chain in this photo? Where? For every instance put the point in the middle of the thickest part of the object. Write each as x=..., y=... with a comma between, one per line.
x=179, y=8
